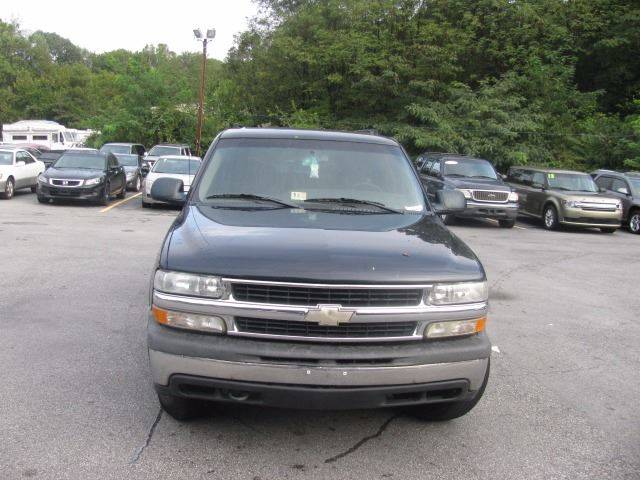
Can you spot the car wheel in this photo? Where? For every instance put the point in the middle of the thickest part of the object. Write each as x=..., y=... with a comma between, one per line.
x=178, y=407
x=146, y=205
x=34, y=188
x=634, y=221
x=9, y=189
x=506, y=223
x=608, y=230
x=123, y=192
x=104, y=199
x=550, y=217
x=137, y=185
x=439, y=412
x=42, y=199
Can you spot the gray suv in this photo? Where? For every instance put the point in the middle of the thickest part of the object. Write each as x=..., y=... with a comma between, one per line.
x=626, y=187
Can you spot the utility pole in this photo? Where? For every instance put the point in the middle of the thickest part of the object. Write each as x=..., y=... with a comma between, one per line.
x=211, y=33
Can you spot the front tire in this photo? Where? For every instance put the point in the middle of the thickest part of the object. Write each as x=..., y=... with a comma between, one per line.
x=506, y=223
x=9, y=189
x=34, y=189
x=634, y=222
x=104, y=199
x=42, y=199
x=550, y=218
x=137, y=184
x=179, y=408
x=123, y=192
x=440, y=412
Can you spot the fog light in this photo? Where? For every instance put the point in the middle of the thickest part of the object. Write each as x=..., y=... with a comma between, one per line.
x=455, y=328
x=189, y=321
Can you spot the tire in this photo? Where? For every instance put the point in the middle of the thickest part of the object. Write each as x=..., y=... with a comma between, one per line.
x=137, y=184
x=123, y=192
x=42, y=199
x=550, y=218
x=448, y=219
x=179, y=408
x=104, y=200
x=634, y=221
x=440, y=412
x=608, y=230
x=146, y=205
x=9, y=189
x=34, y=189
x=506, y=223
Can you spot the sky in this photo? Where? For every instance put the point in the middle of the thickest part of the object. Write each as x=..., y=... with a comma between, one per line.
x=100, y=26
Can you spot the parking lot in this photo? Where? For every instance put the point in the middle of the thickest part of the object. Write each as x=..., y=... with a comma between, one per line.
x=76, y=399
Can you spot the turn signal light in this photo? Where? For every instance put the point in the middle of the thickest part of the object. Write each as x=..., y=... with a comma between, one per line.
x=455, y=328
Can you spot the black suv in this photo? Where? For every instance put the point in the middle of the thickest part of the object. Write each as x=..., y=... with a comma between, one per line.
x=487, y=195
x=307, y=269
x=626, y=187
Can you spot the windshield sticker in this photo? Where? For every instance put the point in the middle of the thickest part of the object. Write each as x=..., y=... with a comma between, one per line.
x=450, y=162
x=551, y=176
x=298, y=196
x=414, y=208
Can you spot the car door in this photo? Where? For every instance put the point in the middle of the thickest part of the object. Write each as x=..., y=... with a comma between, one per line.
x=537, y=195
x=622, y=190
x=22, y=169
x=34, y=169
x=520, y=178
x=113, y=173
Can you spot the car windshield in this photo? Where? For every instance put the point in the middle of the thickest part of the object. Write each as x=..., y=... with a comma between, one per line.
x=92, y=162
x=160, y=150
x=128, y=160
x=571, y=181
x=333, y=174
x=115, y=149
x=635, y=183
x=178, y=166
x=6, y=158
x=468, y=167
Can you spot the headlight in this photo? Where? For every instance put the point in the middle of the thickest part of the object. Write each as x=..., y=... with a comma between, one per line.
x=453, y=293
x=455, y=328
x=466, y=193
x=570, y=203
x=188, y=284
x=41, y=179
x=189, y=321
x=93, y=181
x=513, y=197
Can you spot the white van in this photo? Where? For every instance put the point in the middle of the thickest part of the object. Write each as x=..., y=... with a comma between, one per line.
x=39, y=132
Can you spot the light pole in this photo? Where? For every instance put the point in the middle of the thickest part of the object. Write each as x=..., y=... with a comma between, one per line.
x=211, y=34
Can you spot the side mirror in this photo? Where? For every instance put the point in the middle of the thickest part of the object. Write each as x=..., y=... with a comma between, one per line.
x=169, y=190
x=20, y=163
x=503, y=176
x=449, y=201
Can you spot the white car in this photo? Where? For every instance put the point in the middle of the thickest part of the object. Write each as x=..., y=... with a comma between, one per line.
x=171, y=166
x=18, y=169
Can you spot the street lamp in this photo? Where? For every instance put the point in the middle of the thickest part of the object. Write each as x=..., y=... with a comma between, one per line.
x=211, y=34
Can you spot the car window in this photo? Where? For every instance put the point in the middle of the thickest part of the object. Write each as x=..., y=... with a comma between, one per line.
x=24, y=157
x=434, y=170
x=6, y=158
x=604, y=182
x=177, y=166
x=115, y=149
x=537, y=179
x=468, y=167
x=426, y=166
x=580, y=182
x=74, y=160
x=618, y=184
x=161, y=150
x=129, y=160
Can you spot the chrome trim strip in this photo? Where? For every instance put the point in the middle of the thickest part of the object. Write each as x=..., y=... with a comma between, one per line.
x=163, y=365
x=326, y=285
x=268, y=336
x=506, y=205
x=80, y=182
x=271, y=307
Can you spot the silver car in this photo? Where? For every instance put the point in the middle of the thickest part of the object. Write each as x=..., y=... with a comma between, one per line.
x=172, y=166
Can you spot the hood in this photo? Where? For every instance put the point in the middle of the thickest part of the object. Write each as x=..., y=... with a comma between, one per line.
x=478, y=184
x=299, y=245
x=586, y=197
x=72, y=173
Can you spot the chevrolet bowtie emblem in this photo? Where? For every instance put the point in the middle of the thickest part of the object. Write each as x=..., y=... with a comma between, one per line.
x=328, y=315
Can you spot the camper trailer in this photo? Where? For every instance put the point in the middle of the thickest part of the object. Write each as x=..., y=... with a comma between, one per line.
x=40, y=132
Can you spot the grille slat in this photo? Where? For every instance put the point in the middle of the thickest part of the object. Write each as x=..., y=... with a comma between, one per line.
x=490, y=196
x=311, y=329
x=347, y=297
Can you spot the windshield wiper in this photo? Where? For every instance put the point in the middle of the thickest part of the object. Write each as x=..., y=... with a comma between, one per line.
x=356, y=201
x=249, y=196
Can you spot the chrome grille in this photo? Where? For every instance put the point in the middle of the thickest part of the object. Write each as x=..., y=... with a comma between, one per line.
x=66, y=183
x=598, y=207
x=310, y=329
x=311, y=296
x=490, y=196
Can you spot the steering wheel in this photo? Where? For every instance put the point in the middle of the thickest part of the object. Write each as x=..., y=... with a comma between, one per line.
x=368, y=186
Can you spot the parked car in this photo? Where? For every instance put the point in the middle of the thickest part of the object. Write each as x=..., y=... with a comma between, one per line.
x=50, y=156
x=563, y=197
x=307, y=269
x=486, y=193
x=167, y=149
x=18, y=169
x=625, y=187
x=179, y=167
x=132, y=164
x=83, y=175
x=124, y=148
x=33, y=148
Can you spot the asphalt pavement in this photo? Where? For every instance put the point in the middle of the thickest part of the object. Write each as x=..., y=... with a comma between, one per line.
x=76, y=399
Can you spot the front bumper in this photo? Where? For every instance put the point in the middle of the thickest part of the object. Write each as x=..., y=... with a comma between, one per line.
x=74, y=193
x=500, y=211
x=318, y=376
x=590, y=218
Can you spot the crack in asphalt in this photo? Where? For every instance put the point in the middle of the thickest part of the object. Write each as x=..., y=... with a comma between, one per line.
x=140, y=451
x=364, y=440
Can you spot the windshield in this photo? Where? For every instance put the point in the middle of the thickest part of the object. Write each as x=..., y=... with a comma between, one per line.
x=178, y=166
x=571, y=181
x=160, y=150
x=68, y=136
x=6, y=158
x=635, y=183
x=299, y=171
x=467, y=167
x=93, y=162
x=129, y=160
x=115, y=149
